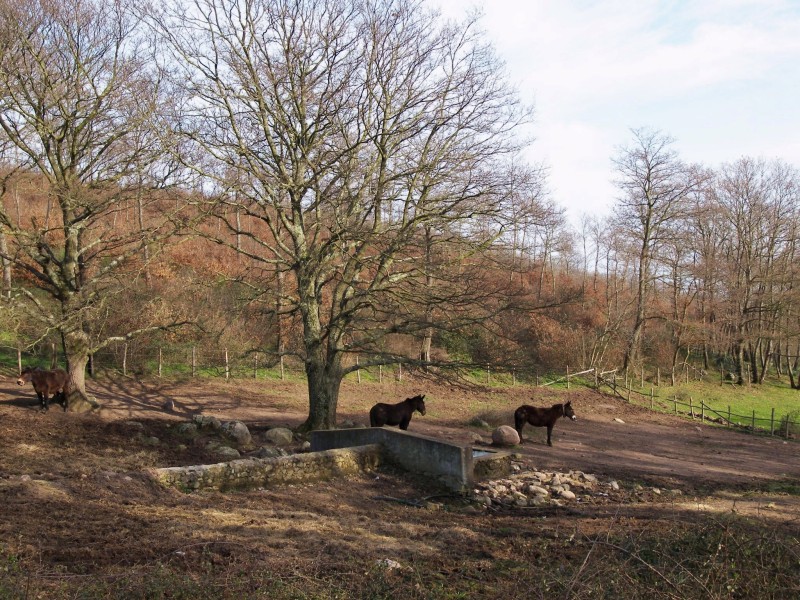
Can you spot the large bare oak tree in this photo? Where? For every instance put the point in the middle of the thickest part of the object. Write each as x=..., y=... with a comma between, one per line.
x=363, y=137
x=79, y=97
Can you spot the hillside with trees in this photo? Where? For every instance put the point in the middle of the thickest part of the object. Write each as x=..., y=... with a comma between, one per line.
x=342, y=185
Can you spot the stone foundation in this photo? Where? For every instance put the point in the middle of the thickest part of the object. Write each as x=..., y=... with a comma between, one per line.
x=253, y=473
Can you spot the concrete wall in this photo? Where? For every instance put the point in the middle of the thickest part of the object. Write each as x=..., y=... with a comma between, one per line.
x=260, y=472
x=448, y=463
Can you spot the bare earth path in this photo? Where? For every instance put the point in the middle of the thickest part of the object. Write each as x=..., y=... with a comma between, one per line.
x=76, y=502
x=654, y=447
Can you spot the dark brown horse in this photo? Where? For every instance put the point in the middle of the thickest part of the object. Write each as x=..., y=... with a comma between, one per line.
x=396, y=414
x=45, y=383
x=542, y=417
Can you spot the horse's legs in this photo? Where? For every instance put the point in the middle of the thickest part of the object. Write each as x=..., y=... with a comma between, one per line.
x=519, y=423
x=549, y=431
x=404, y=423
x=43, y=400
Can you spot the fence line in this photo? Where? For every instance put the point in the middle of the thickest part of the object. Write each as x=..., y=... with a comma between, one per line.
x=192, y=362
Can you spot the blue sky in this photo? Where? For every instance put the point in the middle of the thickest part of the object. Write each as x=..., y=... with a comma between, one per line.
x=720, y=76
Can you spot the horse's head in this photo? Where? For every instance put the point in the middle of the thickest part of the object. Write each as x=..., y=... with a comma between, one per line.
x=418, y=402
x=25, y=375
x=568, y=412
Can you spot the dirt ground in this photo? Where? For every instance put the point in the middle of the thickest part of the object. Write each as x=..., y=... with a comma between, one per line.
x=76, y=502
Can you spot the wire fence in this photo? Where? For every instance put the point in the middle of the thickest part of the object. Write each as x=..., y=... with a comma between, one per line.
x=141, y=360
x=786, y=425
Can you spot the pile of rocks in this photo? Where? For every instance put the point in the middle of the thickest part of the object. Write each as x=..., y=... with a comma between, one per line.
x=229, y=439
x=537, y=488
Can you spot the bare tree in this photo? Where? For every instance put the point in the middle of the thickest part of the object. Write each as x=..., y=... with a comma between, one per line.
x=655, y=186
x=362, y=135
x=759, y=204
x=78, y=99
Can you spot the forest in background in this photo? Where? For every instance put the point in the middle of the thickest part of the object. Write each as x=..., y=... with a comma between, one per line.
x=342, y=186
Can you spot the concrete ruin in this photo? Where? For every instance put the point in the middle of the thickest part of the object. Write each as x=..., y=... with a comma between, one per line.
x=343, y=452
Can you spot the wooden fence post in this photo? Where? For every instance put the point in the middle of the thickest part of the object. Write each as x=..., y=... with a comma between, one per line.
x=772, y=422
x=282, y=373
x=729, y=415
x=642, y=386
x=54, y=357
x=255, y=365
x=596, y=379
x=702, y=411
x=651, y=397
x=358, y=371
x=675, y=402
x=159, y=361
x=380, y=373
x=754, y=421
x=227, y=366
x=194, y=361
x=399, y=372
x=19, y=360
x=691, y=407
x=513, y=377
x=567, y=376
x=658, y=377
x=125, y=360
x=488, y=374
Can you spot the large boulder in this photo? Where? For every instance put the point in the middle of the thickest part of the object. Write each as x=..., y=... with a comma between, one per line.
x=505, y=436
x=237, y=431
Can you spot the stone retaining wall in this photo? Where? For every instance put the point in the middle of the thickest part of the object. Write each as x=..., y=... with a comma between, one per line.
x=251, y=473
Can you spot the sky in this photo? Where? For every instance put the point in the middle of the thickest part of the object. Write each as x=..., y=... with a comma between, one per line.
x=722, y=77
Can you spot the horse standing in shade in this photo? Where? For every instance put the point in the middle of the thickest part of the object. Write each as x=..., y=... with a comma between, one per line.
x=542, y=417
x=396, y=414
x=46, y=382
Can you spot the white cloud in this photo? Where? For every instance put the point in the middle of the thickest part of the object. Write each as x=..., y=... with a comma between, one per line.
x=719, y=75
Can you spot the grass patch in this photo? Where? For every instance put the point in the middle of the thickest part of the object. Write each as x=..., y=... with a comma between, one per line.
x=730, y=557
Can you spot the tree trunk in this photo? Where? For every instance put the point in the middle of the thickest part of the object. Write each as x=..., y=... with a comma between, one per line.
x=76, y=347
x=739, y=362
x=6, y=266
x=324, y=381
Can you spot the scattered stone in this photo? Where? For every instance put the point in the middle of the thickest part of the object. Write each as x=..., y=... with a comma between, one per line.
x=134, y=425
x=187, y=429
x=236, y=431
x=566, y=495
x=268, y=452
x=227, y=452
x=618, y=420
x=207, y=422
x=475, y=438
x=505, y=436
x=280, y=436
x=389, y=564
x=614, y=485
